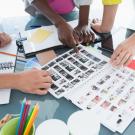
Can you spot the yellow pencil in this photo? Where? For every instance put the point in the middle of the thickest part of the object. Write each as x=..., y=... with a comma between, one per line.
x=32, y=119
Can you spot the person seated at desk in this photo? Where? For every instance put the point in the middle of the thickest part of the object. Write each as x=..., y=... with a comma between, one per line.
x=28, y=81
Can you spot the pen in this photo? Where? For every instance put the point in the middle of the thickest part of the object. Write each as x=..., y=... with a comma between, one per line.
x=9, y=54
x=35, y=26
x=105, y=49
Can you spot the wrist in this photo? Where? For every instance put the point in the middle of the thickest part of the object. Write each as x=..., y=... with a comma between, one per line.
x=59, y=23
x=104, y=29
x=8, y=80
x=83, y=23
x=15, y=80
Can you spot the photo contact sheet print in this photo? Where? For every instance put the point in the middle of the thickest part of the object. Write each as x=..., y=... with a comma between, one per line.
x=91, y=83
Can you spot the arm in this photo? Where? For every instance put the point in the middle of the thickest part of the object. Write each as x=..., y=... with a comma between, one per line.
x=124, y=52
x=44, y=7
x=84, y=15
x=108, y=17
x=29, y=81
x=7, y=81
x=65, y=31
x=110, y=9
x=83, y=29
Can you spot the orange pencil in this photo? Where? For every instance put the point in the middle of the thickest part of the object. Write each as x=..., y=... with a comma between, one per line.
x=32, y=119
x=9, y=54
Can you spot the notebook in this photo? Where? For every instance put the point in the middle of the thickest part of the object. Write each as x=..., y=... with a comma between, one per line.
x=42, y=38
x=7, y=64
x=91, y=83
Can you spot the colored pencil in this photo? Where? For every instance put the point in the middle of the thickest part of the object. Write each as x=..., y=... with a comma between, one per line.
x=9, y=54
x=31, y=120
x=21, y=113
x=26, y=110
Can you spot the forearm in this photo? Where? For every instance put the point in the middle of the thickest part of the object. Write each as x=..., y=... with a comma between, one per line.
x=84, y=15
x=108, y=17
x=130, y=40
x=47, y=11
x=8, y=80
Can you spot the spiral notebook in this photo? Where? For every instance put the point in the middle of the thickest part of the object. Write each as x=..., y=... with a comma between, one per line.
x=7, y=64
x=5, y=67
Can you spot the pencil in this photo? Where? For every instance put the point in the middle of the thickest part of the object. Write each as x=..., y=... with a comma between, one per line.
x=21, y=113
x=24, y=117
x=32, y=119
x=9, y=54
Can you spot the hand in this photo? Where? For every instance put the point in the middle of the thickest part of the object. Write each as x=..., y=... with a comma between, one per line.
x=34, y=81
x=123, y=54
x=4, y=39
x=84, y=33
x=66, y=35
x=97, y=26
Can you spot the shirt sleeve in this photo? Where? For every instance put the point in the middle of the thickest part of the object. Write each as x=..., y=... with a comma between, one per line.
x=83, y=2
x=111, y=2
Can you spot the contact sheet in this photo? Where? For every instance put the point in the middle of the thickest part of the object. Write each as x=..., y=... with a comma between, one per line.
x=91, y=83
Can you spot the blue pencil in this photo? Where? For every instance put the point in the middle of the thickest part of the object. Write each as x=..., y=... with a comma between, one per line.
x=21, y=113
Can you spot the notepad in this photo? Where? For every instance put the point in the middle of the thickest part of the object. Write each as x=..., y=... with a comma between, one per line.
x=7, y=64
x=39, y=36
x=132, y=64
x=10, y=48
x=5, y=67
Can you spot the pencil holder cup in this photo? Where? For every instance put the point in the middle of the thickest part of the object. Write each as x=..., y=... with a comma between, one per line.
x=10, y=128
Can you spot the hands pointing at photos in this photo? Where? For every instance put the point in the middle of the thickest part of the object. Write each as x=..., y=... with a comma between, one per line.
x=84, y=33
x=124, y=53
x=34, y=81
x=72, y=37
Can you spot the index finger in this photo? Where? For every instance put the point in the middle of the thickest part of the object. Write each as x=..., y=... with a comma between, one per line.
x=45, y=73
x=73, y=44
x=116, y=53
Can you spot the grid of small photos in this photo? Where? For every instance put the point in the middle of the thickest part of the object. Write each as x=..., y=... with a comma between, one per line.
x=91, y=83
x=71, y=69
x=110, y=93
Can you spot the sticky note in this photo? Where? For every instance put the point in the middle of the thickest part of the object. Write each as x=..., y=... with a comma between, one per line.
x=39, y=36
x=132, y=64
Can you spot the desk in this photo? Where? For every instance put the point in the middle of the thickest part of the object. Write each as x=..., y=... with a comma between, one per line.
x=50, y=107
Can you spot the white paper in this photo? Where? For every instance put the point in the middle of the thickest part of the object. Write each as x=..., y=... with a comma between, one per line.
x=49, y=42
x=11, y=48
x=107, y=91
x=4, y=96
